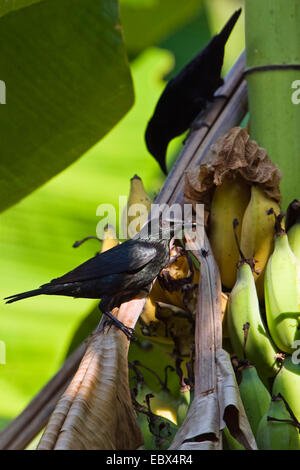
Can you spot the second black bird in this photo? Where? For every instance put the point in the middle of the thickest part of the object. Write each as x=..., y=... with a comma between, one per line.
x=186, y=95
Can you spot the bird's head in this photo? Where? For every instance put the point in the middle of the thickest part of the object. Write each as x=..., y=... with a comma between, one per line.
x=163, y=229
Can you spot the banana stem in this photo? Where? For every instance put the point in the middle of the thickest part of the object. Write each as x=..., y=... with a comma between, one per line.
x=273, y=59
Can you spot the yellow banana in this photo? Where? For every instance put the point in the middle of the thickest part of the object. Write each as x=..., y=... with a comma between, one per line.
x=109, y=238
x=277, y=435
x=257, y=236
x=229, y=202
x=176, y=274
x=255, y=397
x=138, y=207
x=282, y=293
x=246, y=328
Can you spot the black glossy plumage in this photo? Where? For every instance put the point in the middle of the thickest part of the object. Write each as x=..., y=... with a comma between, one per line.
x=186, y=95
x=117, y=275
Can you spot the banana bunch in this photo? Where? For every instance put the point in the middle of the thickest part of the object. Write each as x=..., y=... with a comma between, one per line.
x=278, y=429
x=237, y=199
x=282, y=292
x=245, y=325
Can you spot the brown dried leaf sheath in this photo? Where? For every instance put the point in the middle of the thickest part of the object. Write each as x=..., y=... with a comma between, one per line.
x=231, y=155
x=96, y=412
x=217, y=401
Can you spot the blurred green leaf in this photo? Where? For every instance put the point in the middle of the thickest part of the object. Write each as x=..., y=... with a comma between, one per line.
x=6, y=6
x=147, y=22
x=67, y=84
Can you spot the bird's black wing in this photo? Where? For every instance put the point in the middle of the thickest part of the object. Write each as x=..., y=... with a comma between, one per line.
x=126, y=257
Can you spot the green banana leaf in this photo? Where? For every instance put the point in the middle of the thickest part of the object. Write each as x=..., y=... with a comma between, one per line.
x=68, y=83
x=12, y=5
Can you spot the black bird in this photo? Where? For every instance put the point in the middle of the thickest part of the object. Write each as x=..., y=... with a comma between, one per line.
x=120, y=274
x=187, y=94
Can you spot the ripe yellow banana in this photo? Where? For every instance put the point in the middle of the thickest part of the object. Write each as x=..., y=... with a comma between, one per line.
x=109, y=238
x=138, y=207
x=257, y=236
x=282, y=293
x=287, y=382
x=277, y=435
x=246, y=328
x=255, y=397
x=229, y=202
x=177, y=272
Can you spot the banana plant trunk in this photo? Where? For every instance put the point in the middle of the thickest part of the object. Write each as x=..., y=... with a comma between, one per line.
x=273, y=39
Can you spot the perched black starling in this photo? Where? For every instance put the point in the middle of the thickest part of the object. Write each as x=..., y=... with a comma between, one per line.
x=120, y=274
x=187, y=94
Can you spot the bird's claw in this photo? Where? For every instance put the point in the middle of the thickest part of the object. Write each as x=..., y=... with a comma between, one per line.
x=129, y=332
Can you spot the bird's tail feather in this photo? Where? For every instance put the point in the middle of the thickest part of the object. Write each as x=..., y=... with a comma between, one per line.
x=23, y=295
x=225, y=33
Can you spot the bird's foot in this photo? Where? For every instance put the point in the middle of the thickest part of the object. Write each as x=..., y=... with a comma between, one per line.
x=129, y=332
x=195, y=126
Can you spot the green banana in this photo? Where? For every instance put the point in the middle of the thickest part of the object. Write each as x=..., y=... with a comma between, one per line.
x=294, y=239
x=229, y=442
x=282, y=292
x=279, y=432
x=183, y=407
x=255, y=397
x=293, y=227
x=246, y=328
x=287, y=382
